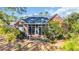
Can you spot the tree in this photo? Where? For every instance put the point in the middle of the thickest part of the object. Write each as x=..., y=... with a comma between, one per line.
x=6, y=18
x=9, y=18
x=41, y=14
x=73, y=41
x=44, y=14
x=8, y=33
x=72, y=18
x=54, y=31
x=73, y=22
x=19, y=10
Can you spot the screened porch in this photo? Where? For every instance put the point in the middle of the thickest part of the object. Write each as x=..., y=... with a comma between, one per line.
x=36, y=29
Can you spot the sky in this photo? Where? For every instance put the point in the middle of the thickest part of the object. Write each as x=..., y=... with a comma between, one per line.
x=41, y=9
x=62, y=11
x=33, y=11
x=36, y=10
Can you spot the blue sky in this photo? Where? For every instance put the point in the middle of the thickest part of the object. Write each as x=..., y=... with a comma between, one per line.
x=62, y=11
x=34, y=10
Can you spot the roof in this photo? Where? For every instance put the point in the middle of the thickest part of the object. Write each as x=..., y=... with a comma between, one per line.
x=54, y=17
x=36, y=20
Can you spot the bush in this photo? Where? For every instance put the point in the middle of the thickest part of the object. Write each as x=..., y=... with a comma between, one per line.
x=10, y=34
x=45, y=39
x=10, y=37
x=72, y=44
x=54, y=31
x=21, y=35
x=18, y=47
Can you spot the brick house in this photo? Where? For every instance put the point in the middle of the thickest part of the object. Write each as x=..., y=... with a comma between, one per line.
x=56, y=18
x=34, y=26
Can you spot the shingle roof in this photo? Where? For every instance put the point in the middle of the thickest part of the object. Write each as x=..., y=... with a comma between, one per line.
x=36, y=20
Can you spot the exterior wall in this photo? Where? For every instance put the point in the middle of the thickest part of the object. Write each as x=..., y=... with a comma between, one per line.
x=26, y=29
x=57, y=19
x=22, y=24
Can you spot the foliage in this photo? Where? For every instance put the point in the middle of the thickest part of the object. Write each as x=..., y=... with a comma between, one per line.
x=54, y=30
x=6, y=31
x=19, y=10
x=72, y=18
x=21, y=35
x=44, y=14
x=72, y=44
x=10, y=34
x=73, y=41
x=9, y=18
x=45, y=39
x=75, y=27
x=18, y=47
x=2, y=22
x=73, y=21
x=46, y=32
x=6, y=18
x=10, y=37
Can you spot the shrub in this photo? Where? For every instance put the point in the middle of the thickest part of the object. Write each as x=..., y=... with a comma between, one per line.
x=45, y=39
x=10, y=34
x=10, y=37
x=54, y=31
x=72, y=44
x=21, y=35
x=18, y=46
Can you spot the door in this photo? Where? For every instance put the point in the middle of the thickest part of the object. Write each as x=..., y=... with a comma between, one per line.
x=37, y=30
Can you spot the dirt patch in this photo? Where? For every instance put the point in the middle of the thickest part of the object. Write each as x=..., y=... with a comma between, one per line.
x=58, y=45
x=32, y=45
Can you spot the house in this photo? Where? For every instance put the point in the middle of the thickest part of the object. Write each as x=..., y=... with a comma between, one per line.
x=34, y=26
x=56, y=18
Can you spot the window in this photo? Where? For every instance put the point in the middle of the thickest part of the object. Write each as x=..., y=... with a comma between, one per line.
x=37, y=31
x=29, y=29
x=40, y=31
x=33, y=30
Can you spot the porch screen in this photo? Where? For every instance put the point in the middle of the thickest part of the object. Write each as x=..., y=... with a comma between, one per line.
x=31, y=30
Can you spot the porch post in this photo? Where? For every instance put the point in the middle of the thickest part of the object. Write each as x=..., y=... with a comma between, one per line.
x=35, y=30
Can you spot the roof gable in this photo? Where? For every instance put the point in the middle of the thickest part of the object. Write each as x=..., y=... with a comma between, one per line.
x=56, y=17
